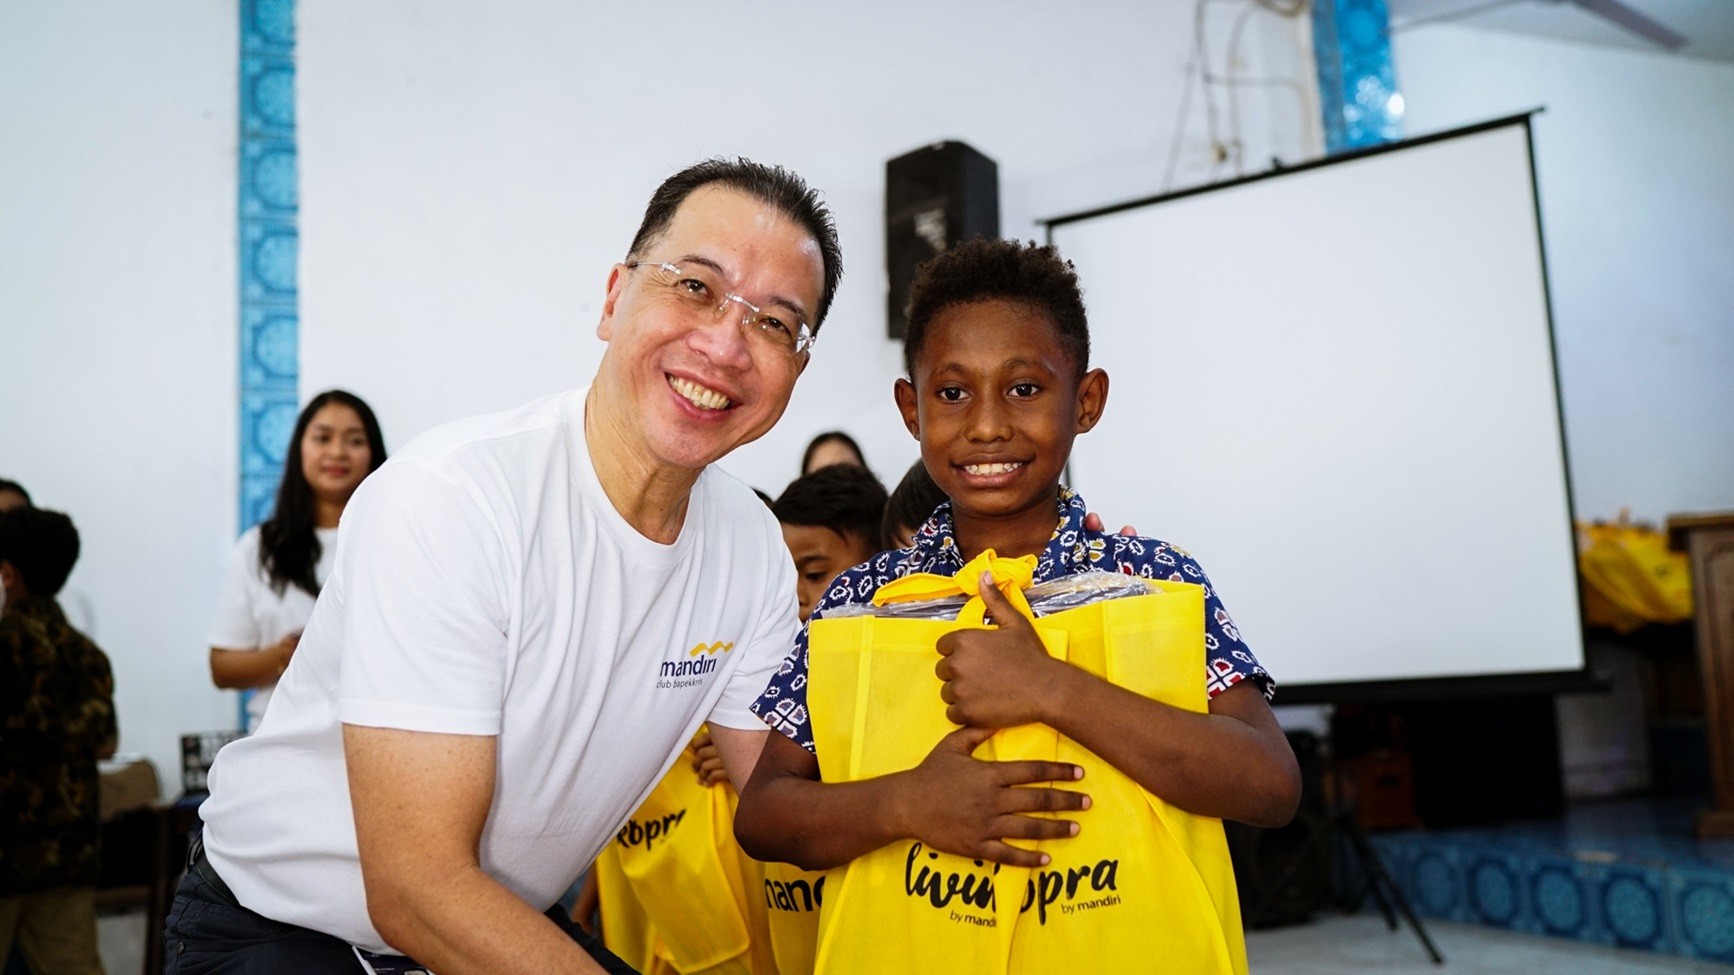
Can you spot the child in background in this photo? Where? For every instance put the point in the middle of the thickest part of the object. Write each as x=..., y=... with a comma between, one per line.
x=830, y=522
x=56, y=721
x=997, y=352
x=911, y=503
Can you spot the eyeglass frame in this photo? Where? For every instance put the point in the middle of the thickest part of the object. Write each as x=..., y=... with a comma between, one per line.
x=805, y=336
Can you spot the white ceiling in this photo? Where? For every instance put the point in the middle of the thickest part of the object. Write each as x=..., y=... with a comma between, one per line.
x=1707, y=24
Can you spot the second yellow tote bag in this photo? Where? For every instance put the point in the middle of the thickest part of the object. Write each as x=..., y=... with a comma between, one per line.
x=675, y=887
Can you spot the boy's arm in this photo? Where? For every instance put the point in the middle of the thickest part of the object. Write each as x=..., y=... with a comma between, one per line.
x=1232, y=763
x=951, y=802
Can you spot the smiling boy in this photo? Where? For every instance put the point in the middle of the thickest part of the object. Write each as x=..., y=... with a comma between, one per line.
x=997, y=389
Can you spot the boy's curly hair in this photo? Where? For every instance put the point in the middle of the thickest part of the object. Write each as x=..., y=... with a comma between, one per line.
x=979, y=270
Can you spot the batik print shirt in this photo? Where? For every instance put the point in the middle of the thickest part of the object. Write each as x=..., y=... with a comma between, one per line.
x=56, y=715
x=1071, y=550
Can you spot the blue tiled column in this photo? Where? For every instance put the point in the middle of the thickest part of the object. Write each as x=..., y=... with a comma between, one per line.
x=266, y=208
x=1357, y=84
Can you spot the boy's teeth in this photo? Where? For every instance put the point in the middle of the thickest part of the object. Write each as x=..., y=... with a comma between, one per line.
x=699, y=396
x=981, y=470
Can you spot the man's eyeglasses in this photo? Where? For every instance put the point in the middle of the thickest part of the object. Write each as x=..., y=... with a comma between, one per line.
x=700, y=289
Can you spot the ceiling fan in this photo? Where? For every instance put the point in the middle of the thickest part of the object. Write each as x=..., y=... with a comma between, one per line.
x=1620, y=14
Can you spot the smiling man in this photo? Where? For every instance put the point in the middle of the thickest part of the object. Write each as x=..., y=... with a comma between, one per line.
x=530, y=615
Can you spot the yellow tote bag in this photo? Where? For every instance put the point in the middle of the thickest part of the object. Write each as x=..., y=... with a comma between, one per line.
x=1141, y=879
x=790, y=900
x=625, y=924
x=674, y=886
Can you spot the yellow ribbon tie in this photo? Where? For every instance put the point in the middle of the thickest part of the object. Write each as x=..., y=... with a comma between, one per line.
x=1010, y=576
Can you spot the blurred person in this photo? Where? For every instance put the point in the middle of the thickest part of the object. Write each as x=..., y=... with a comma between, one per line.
x=79, y=610
x=911, y=503
x=56, y=722
x=13, y=495
x=830, y=521
x=279, y=565
x=831, y=447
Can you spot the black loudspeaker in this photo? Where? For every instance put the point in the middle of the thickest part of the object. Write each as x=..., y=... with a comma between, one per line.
x=935, y=197
x=1284, y=875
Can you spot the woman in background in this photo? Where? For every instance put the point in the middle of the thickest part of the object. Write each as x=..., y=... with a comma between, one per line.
x=279, y=565
x=831, y=447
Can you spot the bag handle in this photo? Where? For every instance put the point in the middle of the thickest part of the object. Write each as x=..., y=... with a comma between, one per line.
x=1010, y=576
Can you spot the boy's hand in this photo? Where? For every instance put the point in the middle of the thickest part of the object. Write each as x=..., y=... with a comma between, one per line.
x=996, y=678
x=959, y=804
x=707, y=762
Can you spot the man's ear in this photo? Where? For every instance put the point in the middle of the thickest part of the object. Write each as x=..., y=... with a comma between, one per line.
x=616, y=282
x=904, y=390
x=1092, y=398
x=10, y=580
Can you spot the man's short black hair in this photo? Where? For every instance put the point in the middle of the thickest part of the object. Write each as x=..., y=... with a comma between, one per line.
x=847, y=499
x=772, y=185
x=911, y=503
x=17, y=489
x=979, y=270
x=42, y=545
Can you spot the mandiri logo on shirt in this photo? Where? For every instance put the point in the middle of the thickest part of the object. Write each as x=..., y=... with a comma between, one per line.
x=691, y=668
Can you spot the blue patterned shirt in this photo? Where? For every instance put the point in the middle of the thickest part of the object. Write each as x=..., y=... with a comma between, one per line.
x=1071, y=550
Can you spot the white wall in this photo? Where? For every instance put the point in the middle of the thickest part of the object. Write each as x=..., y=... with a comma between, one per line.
x=117, y=326
x=1637, y=198
x=470, y=172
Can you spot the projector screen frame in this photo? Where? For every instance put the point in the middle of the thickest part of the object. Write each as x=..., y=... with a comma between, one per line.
x=1578, y=680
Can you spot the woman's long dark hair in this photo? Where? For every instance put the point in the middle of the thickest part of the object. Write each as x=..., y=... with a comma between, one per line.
x=830, y=436
x=288, y=547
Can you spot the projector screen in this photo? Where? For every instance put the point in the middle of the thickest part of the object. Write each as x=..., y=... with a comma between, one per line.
x=1335, y=386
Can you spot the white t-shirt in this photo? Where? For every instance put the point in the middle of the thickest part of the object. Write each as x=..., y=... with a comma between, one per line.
x=250, y=616
x=486, y=586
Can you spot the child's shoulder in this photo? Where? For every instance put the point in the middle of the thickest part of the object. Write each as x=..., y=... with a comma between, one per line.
x=857, y=584
x=1138, y=555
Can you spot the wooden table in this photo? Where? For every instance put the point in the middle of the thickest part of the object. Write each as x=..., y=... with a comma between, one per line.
x=1709, y=544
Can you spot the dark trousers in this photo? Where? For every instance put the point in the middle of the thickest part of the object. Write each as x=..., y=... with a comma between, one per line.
x=209, y=934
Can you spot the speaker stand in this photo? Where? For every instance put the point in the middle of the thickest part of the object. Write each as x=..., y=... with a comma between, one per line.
x=1371, y=878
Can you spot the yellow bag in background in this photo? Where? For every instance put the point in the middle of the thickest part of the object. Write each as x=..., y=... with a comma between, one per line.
x=625, y=925
x=1630, y=577
x=791, y=898
x=675, y=888
x=1141, y=880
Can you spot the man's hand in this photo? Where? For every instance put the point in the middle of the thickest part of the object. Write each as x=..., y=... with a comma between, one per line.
x=996, y=678
x=959, y=804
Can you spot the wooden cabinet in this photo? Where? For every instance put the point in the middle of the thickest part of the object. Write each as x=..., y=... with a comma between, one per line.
x=1709, y=543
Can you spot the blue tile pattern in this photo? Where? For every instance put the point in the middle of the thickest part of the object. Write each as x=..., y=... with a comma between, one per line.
x=266, y=208
x=1358, y=93
x=1628, y=874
